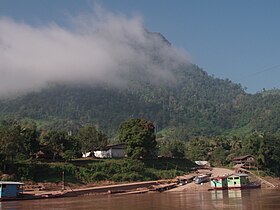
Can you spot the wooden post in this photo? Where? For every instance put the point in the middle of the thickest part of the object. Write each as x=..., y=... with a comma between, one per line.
x=63, y=180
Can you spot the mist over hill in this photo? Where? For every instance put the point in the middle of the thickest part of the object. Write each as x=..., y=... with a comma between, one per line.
x=108, y=68
x=98, y=48
x=193, y=104
x=198, y=104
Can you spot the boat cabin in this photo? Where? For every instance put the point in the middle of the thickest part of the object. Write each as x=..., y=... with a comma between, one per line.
x=10, y=189
x=237, y=180
x=219, y=183
x=201, y=179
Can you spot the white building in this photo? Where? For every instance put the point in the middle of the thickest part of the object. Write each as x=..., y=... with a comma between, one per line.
x=111, y=151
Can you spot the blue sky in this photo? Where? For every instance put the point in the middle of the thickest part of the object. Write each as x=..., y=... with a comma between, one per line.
x=236, y=39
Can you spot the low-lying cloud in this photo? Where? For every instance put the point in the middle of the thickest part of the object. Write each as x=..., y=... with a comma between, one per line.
x=98, y=48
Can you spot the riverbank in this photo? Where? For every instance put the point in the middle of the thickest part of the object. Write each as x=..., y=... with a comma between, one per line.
x=169, y=185
x=132, y=187
x=124, y=188
x=203, y=186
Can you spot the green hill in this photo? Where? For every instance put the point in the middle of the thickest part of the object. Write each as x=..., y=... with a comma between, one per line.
x=191, y=102
x=196, y=100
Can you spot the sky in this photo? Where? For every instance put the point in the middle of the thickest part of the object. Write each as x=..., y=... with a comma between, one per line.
x=238, y=40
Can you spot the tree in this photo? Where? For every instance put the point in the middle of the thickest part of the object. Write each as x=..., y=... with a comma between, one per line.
x=11, y=141
x=198, y=149
x=30, y=140
x=139, y=136
x=219, y=149
x=272, y=154
x=266, y=148
x=91, y=139
x=177, y=149
x=255, y=145
x=72, y=148
x=172, y=148
x=54, y=141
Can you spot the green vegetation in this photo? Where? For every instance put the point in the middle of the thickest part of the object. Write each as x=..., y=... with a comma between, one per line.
x=139, y=137
x=195, y=105
x=91, y=139
x=20, y=157
x=195, y=101
x=221, y=150
x=94, y=170
x=28, y=153
x=194, y=115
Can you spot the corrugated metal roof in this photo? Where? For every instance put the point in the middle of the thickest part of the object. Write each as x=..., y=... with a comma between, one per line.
x=11, y=183
x=242, y=157
x=239, y=175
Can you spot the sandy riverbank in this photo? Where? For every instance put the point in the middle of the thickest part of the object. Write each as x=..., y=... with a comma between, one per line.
x=110, y=187
x=204, y=186
x=105, y=187
x=220, y=172
x=100, y=188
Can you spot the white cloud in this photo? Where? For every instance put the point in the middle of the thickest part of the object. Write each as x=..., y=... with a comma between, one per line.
x=99, y=47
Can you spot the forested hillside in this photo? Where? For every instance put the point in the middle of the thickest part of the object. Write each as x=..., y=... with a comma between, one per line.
x=195, y=115
x=162, y=87
x=194, y=103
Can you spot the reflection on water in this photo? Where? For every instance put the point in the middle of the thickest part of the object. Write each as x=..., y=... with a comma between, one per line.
x=223, y=199
x=237, y=194
x=231, y=199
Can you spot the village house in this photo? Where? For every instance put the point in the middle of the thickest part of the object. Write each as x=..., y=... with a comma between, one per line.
x=246, y=161
x=110, y=151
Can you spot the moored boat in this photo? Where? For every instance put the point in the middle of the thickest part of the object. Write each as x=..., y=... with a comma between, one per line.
x=219, y=183
x=234, y=181
x=11, y=191
x=201, y=179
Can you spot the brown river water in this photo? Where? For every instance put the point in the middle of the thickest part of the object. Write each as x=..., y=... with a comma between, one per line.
x=233, y=199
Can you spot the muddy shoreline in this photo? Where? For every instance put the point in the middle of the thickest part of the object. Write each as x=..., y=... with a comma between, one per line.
x=106, y=187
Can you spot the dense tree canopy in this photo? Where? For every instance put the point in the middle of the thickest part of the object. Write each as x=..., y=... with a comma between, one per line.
x=55, y=142
x=139, y=136
x=11, y=141
x=196, y=104
x=91, y=139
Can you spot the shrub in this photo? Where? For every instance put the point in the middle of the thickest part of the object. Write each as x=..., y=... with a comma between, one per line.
x=99, y=176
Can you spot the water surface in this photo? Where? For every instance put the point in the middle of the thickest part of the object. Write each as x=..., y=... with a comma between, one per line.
x=232, y=199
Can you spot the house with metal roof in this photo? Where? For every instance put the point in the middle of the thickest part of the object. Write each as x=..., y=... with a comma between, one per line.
x=245, y=161
x=112, y=151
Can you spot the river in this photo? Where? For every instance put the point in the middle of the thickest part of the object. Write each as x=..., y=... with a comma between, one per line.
x=232, y=199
